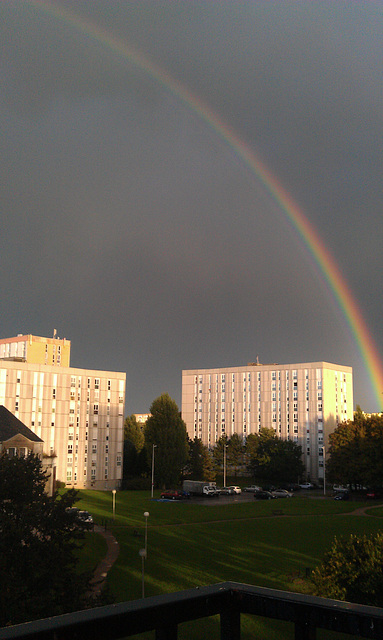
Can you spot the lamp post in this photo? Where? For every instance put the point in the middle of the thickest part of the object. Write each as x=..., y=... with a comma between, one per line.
x=146, y=516
x=154, y=446
x=142, y=553
x=224, y=464
x=114, y=502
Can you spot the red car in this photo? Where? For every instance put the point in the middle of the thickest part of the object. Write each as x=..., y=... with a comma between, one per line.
x=172, y=495
x=374, y=495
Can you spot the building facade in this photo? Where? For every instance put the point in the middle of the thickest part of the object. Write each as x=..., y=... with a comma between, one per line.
x=301, y=402
x=78, y=413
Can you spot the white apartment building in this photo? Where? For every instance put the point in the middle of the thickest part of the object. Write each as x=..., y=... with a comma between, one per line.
x=301, y=402
x=78, y=413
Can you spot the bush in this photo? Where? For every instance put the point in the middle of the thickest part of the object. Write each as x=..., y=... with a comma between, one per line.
x=352, y=570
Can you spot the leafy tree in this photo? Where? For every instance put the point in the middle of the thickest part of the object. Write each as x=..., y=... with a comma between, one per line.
x=166, y=429
x=251, y=448
x=134, y=441
x=272, y=459
x=352, y=570
x=218, y=452
x=356, y=452
x=235, y=452
x=134, y=433
x=200, y=464
x=37, y=543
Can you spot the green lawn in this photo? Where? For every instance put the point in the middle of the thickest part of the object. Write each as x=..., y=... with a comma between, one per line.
x=93, y=551
x=195, y=544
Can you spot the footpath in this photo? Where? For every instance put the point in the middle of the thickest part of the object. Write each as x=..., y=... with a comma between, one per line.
x=113, y=549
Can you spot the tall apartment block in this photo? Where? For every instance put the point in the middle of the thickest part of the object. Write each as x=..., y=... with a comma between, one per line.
x=301, y=402
x=78, y=413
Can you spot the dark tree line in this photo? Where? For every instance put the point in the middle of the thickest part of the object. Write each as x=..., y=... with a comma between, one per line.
x=267, y=457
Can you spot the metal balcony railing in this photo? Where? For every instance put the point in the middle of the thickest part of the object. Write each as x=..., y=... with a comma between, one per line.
x=228, y=599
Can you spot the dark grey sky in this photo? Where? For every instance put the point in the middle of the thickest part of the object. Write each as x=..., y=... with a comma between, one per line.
x=135, y=230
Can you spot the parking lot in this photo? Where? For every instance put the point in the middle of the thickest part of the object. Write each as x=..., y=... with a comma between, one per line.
x=223, y=499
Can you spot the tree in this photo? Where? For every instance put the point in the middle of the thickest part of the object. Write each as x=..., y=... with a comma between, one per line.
x=166, y=429
x=272, y=459
x=134, y=441
x=352, y=570
x=200, y=464
x=134, y=433
x=218, y=453
x=356, y=452
x=38, y=540
x=235, y=452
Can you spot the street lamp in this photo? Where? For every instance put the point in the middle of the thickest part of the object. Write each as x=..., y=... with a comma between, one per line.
x=142, y=553
x=146, y=516
x=154, y=446
x=225, y=446
x=114, y=502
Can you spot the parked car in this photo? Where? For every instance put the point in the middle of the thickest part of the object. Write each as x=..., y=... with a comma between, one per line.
x=235, y=489
x=252, y=488
x=339, y=488
x=306, y=485
x=263, y=495
x=211, y=492
x=172, y=495
x=374, y=494
x=343, y=495
x=290, y=487
x=79, y=518
x=84, y=516
x=282, y=493
x=226, y=491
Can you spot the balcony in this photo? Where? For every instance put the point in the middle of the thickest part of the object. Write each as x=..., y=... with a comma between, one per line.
x=228, y=600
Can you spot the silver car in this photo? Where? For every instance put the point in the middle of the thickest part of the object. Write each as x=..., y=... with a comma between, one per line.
x=282, y=493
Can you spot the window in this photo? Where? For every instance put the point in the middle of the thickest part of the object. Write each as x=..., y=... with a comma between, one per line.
x=118, y=460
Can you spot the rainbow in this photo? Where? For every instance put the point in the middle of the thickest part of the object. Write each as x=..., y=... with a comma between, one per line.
x=326, y=263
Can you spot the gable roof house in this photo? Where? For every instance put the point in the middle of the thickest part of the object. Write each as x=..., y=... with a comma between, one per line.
x=16, y=439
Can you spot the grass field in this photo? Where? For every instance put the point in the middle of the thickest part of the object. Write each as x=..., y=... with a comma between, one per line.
x=192, y=544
